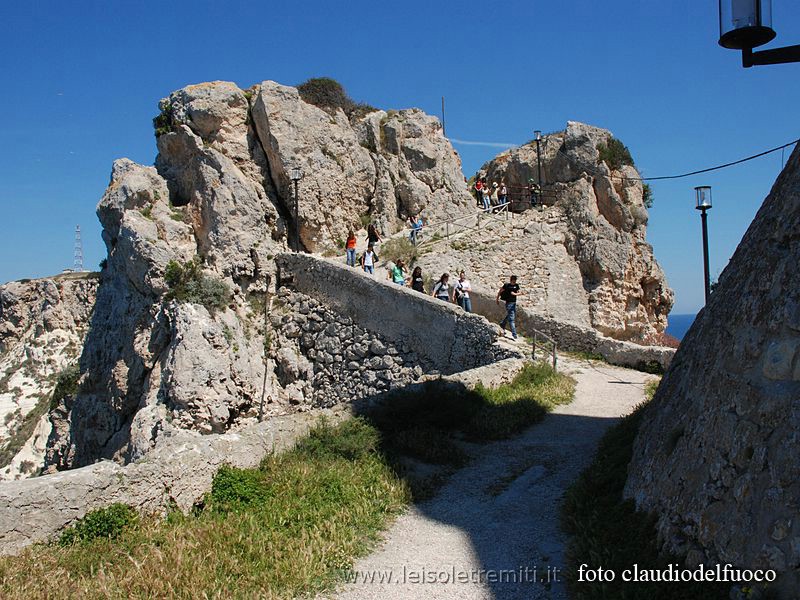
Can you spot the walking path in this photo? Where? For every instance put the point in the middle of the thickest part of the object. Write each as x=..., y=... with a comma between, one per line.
x=495, y=521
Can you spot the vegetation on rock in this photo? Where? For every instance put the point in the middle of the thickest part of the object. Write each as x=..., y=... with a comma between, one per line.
x=329, y=95
x=164, y=122
x=188, y=283
x=103, y=523
x=615, y=154
x=399, y=248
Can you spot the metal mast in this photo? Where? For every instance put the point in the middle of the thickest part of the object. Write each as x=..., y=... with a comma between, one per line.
x=77, y=264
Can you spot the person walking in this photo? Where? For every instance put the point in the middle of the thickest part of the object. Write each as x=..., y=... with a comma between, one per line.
x=478, y=192
x=416, y=227
x=372, y=235
x=350, y=249
x=487, y=195
x=398, y=272
x=462, y=290
x=417, y=282
x=494, y=194
x=502, y=194
x=442, y=288
x=368, y=260
x=508, y=294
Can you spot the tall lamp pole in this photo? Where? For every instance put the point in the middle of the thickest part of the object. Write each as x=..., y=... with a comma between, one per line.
x=296, y=176
x=538, y=137
x=703, y=198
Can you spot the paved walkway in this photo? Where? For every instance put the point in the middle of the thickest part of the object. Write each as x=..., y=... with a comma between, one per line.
x=496, y=520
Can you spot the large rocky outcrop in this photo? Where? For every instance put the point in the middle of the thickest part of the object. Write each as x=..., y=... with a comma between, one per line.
x=219, y=196
x=717, y=457
x=43, y=323
x=584, y=259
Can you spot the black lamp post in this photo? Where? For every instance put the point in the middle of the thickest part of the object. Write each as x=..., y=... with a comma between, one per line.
x=537, y=135
x=296, y=175
x=703, y=197
x=747, y=24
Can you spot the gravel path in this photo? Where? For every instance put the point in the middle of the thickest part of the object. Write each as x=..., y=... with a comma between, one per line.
x=499, y=516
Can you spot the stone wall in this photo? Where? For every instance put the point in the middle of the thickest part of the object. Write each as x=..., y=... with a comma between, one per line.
x=717, y=455
x=441, y=337
x=570, y=336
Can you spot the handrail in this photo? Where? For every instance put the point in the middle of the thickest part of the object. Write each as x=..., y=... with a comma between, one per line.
x=554, y=346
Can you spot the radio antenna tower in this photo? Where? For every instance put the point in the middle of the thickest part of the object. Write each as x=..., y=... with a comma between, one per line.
x=78, y=254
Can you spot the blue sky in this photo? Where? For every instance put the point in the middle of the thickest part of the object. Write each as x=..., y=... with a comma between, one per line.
x=83, y=79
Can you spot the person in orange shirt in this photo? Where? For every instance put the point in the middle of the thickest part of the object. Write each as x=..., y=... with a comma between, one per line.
x=350, y=247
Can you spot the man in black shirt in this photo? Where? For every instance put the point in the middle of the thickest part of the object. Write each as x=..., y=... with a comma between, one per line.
x=508, y=294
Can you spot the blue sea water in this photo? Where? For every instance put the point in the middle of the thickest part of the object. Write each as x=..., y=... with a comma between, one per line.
x=678, y=325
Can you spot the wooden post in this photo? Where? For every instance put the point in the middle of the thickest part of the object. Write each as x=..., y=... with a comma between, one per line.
x=534, y=346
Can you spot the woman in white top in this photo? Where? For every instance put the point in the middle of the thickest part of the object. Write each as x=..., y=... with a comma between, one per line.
x=368, y=260
x=442, y=289
x=462, y=290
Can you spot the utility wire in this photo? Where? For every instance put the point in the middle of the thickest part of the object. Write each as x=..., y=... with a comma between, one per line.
x=718, y=167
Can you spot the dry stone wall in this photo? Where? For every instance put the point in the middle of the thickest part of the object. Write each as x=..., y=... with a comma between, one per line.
x=717, y=457
x=439, y=336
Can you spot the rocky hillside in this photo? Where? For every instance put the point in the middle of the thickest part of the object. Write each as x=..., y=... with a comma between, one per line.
x=716, y=457
x=43, y=323
x=180, y=338
x=584, y=258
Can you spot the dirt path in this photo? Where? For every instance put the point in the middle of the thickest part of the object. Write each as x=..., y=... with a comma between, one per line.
x=499, y=516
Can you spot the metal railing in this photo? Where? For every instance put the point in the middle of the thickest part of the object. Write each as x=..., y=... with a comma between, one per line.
x=546, y=345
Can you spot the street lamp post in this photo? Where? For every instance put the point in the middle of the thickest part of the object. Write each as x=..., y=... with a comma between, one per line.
x=703, y=198
x=747, y=24
x=538, y=137
x=296, y=176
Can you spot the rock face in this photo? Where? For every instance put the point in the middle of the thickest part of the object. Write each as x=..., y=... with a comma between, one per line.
x=43, y=323
x=220, y=196
x=584, y=259
x=717, y=454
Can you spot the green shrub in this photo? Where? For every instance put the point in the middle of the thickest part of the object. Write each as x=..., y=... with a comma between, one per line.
x=234, y=488
x=329, y=95
x=164, y=122
x=399, y=248
x=188, y=283
x=615, y=154
x=351, y=440
x=66, y=384
x=647, y=195
x=106, y=523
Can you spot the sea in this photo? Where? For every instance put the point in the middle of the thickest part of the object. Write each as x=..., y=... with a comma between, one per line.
x=678, y=325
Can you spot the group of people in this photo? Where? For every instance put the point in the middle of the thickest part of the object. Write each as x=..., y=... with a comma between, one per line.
x=457, y=293
x=490, y=196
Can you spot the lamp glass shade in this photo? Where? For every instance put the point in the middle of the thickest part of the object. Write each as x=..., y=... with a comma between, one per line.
x=745, y=23
x=537, y=135
x=296, y=174
x=703, y=197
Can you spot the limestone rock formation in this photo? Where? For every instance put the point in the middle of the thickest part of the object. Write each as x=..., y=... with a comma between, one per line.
x=584, y=259
x=43, y=323
x=716, y=457
x=218, y=203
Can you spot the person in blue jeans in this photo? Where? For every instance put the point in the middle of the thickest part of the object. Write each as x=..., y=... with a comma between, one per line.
x=508, y=294
x=369, y=259
x=350, y=247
